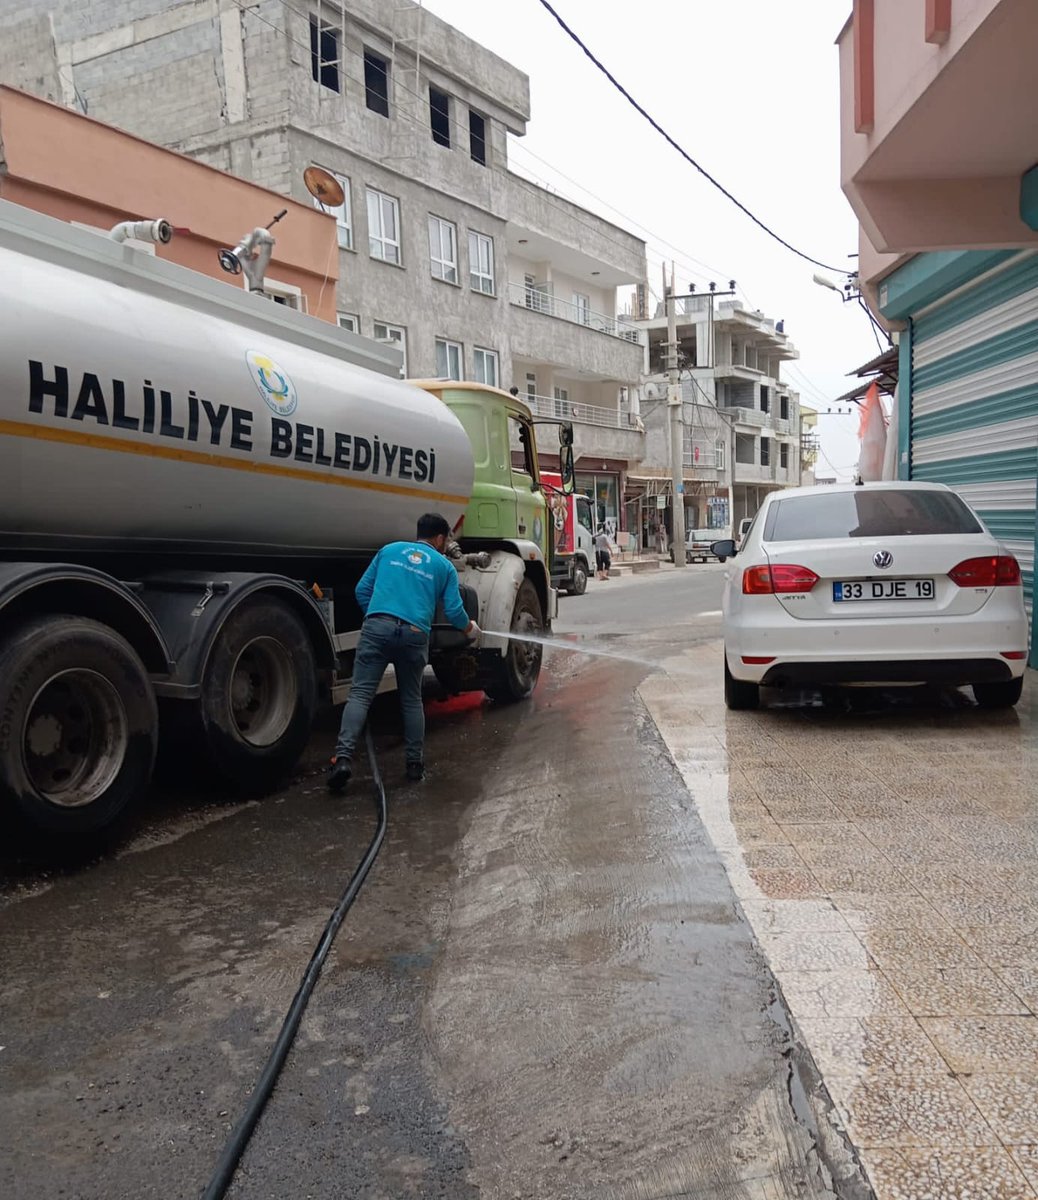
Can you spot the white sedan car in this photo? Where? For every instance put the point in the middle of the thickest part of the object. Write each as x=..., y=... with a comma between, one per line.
x=875, y=583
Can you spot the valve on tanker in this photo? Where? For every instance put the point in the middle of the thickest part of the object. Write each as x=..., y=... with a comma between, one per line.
x=252, y=254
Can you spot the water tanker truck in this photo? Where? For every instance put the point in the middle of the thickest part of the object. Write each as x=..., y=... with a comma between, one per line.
x=192, y=479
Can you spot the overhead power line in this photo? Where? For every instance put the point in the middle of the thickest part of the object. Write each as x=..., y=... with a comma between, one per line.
x=681, y=150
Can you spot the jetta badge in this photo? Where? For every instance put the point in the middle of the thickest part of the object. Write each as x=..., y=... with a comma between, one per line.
x=883, y=558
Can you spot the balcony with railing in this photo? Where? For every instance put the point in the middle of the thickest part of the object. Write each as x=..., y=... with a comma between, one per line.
x=614, y=432
x=539, y=298
x=702, y=460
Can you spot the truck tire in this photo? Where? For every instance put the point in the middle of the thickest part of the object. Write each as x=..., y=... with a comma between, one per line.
x=739, y=695
x=78, y=725
x=516, y=673
x=578, y=582
x=259, y=694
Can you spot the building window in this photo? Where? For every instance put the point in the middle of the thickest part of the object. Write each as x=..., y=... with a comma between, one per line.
x=784, y=407
x=765, y=399
x=396, y=335
x=720, y=450
x=325, y=56
x=484, y=366
x=765, y=452
x=582, y=308
x=349, y=321
x=561, y=402
x=376, y=82
x=343, y=213
x=286, y=294
x=443, y=250
x=478, y=138
x=440, y=116
x=383, y=227
x=481, y=263
x=531, y=386
x=784, y=456
x=448, y=359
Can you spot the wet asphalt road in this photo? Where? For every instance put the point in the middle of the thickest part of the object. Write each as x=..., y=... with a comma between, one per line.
x=546, y=990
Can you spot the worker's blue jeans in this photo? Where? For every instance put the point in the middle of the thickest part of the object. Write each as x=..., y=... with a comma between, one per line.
x=385, y=640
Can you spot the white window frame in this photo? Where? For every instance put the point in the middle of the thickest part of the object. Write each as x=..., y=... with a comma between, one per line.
x=582, y=308
x=350, y=321
x=481, y=280
x=448, y=347
x=330, y=27
x=343, y=213
x=443, y=258
x=482, y=358
x=720, y=453
x=394, y=334
x=381, y=245
x=287, y=294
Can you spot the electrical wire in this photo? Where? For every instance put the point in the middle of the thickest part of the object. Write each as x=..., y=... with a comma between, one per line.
x=227, y=1164
x=680, y=149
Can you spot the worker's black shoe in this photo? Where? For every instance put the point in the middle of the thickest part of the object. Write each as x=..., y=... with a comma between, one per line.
x=339, y=775
x=416, y=771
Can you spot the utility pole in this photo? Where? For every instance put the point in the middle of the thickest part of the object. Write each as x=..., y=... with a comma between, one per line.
x=677, y=442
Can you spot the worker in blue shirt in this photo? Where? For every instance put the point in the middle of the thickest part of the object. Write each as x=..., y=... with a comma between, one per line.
x=398, y=595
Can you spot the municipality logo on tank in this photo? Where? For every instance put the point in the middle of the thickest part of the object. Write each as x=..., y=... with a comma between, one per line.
x=274, y=384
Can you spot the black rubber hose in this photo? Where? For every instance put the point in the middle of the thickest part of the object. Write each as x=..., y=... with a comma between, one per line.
x=242, y=1132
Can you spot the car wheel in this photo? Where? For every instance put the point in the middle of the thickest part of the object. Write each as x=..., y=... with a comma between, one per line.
x=998, y=695
x=738, y=694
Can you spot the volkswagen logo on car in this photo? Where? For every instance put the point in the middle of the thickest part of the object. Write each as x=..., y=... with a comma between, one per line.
x=883, y=558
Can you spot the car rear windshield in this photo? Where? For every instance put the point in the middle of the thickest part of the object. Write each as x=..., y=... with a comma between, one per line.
x=885, y=513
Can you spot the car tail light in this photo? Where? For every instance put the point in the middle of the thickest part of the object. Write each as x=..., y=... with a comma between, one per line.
x=757, y=660
x=995, y=571
x=778, y=577
x=1014, y=655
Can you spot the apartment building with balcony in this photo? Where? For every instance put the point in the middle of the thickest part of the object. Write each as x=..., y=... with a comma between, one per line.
x=741, y=424
x=470, y=270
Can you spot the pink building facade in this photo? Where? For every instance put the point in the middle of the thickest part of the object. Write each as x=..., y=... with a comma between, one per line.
x=939, y=146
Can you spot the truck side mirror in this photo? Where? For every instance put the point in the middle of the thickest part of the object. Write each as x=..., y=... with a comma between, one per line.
x=565, y=433
x=566, y=469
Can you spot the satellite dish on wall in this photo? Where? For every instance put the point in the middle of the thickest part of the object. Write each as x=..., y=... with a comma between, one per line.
x=324, y=187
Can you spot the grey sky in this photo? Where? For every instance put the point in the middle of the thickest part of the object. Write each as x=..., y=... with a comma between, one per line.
x=750, y=88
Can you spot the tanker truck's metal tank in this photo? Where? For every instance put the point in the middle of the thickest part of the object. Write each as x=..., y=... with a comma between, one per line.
x=145, y=408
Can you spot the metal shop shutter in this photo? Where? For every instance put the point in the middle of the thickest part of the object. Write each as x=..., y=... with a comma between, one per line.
x=974, y=402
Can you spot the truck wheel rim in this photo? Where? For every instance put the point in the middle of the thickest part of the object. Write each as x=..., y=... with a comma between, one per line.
x=526, y=655
x=76, y=738
x=264, y=693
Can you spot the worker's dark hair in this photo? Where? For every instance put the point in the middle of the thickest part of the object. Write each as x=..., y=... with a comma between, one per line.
x=432, y=525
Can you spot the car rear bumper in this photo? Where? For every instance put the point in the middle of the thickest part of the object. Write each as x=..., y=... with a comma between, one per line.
x=946, y=671
x=949, y=650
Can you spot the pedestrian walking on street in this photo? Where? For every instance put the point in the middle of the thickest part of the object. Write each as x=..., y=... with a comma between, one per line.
x=603, y=559
x=398, y=594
